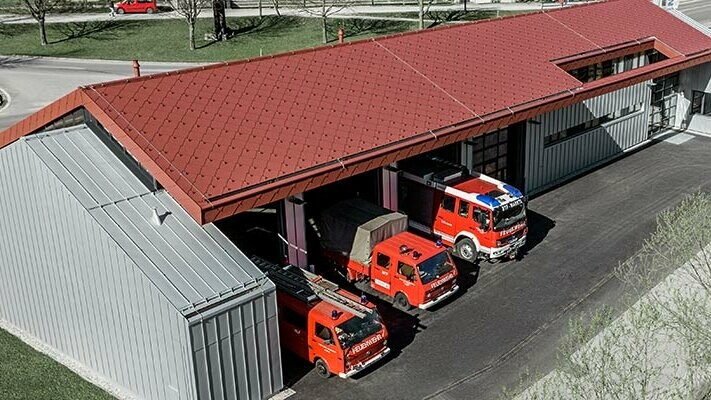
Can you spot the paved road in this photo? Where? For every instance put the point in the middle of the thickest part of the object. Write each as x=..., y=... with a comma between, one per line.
x=513, y=315
x=700, y=10
x=33, y=83
x=347, y=12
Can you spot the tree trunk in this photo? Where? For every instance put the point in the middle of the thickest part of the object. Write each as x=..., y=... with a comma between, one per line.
x=276, y=7
x=260, y=10
x=421, y=4
x=325, y=27
x=42, y=32
x=191, y=34
x=465, y=5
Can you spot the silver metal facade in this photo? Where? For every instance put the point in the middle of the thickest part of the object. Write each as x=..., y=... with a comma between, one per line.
x=547, y=165
x=232, y=339
x=88, y=272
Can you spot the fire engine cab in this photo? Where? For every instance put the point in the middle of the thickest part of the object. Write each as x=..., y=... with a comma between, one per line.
x=372, y=244
x=338, y=331
x=478, y=216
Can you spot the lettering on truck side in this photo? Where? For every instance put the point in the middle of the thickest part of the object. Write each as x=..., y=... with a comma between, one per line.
x=442, y=281
x=511, y=230
x=363, y=345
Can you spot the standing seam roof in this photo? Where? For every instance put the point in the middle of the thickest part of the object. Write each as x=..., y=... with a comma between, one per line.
x=231, y=136
x=190, y=264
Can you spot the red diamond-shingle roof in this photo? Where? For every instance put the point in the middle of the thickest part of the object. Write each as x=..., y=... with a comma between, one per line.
x=232, y=136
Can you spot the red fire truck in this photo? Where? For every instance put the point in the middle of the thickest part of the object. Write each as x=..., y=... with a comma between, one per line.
x=475, y=214
x=372, y=243
x=336, y=330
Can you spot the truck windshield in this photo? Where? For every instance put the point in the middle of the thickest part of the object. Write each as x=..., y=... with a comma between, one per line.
x=434, y=267
x=506, y=217
x=356, y=329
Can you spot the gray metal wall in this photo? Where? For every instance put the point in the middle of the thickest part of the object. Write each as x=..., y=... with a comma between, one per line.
x=547, y=166
x=64, y=281
x=236, y=350
x=699, y=79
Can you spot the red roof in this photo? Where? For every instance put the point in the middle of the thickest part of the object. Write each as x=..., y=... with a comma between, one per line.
x=232, y=136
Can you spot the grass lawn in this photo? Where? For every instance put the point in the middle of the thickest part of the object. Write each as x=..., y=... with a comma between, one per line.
x=28, y=375
x=166, y=40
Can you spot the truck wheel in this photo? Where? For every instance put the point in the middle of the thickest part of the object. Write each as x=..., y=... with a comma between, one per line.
x=149, y=11
x=466, y=249
x=401, y=302
x=322, y=369
x=120, y=10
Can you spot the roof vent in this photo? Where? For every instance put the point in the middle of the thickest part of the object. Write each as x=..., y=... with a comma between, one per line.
x=156, y=218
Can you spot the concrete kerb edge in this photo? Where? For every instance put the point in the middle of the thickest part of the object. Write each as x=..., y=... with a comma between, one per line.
x=74, y=365
x=5, y=100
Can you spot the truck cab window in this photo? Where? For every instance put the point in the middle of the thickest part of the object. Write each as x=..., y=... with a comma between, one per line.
x=481, y=217
x=323, y=333
x=448, y=203
x=406, y=270
x=382, y=260
x=463, y=209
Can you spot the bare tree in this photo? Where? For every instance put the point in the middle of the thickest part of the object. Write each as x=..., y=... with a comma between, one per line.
x=190, y=10
x=39, y=9
x=424, y=8
x=323, y=9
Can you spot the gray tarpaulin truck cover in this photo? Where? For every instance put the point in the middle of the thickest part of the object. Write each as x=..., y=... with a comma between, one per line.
x=355, y=226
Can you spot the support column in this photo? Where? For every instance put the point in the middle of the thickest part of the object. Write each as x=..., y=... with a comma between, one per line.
x=390, y=187
x=295, y=224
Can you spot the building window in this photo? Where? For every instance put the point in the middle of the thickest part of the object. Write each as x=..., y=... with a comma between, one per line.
x=663, y=105
x=618, y=65
x=577, y=130
x=701, y=103
x=490, y=153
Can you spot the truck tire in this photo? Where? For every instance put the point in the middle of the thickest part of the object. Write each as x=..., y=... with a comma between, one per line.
x=322, y=369
x=120, y=10
x=466, y=250
x=149, y=10
x=400, y=302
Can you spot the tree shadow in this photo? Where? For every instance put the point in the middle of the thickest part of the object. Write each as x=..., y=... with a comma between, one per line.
x=443, y=17
x=272, y=26
x=356, y=27
x=268, y=25
x=15, y=61
x=75, y=30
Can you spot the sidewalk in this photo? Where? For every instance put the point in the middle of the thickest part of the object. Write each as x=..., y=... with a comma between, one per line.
x=253, y=12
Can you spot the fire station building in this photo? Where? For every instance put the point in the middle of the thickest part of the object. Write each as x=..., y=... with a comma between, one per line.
x=128, y=206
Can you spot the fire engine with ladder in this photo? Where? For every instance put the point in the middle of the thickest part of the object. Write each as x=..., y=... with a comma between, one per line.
x=339, y=332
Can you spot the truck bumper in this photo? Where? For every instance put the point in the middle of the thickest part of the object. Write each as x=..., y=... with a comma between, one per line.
x=359, y=367
x=439, y=299
x=507, y=250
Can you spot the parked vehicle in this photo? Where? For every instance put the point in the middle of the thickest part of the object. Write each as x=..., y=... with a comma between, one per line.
x=136, y=6
x=372, y=243
x=339, y=332
x=479, y=216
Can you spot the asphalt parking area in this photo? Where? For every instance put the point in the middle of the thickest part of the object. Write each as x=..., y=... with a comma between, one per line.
x=510, y=316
